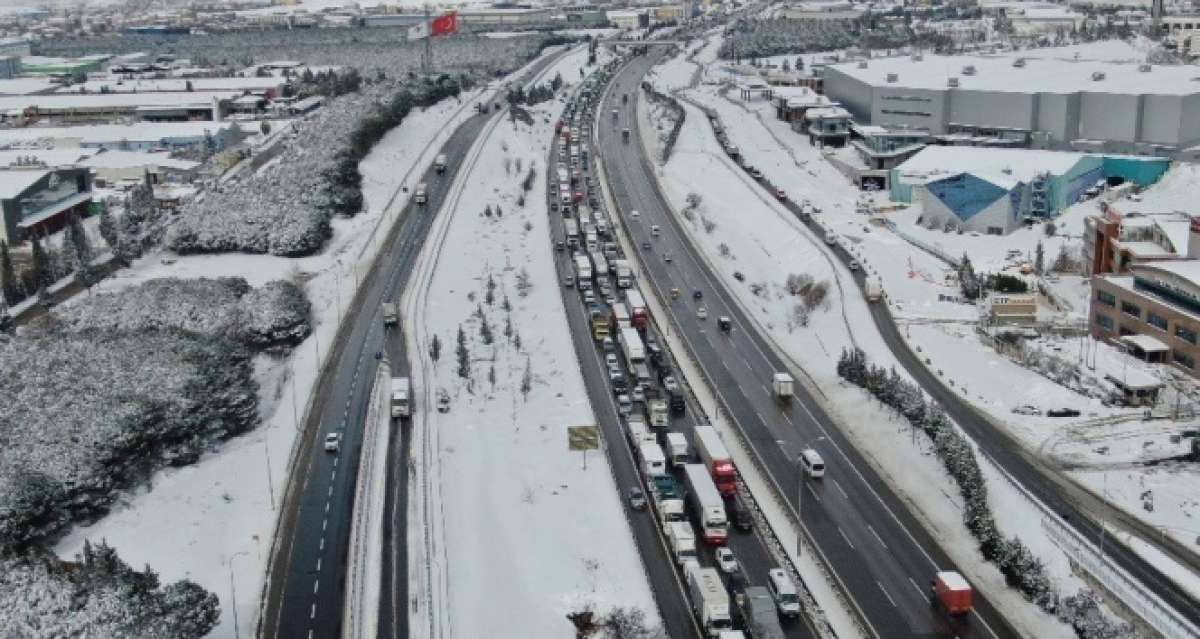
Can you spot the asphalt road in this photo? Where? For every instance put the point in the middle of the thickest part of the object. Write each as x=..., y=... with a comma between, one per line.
x=879, y=553
x=305, y=597
x=666, y=582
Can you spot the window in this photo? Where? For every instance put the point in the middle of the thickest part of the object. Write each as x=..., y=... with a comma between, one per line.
x=1156, y=321
x=1125, y=330
x=920, y=114
x=1106, y=298
x=1104, y=322
x=1185, y=334
x=1130, y=308
x=1184, y=360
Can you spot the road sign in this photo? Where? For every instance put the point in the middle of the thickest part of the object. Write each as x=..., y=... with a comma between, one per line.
x=583, y=437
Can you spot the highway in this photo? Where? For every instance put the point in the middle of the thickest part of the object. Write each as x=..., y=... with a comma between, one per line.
x=307, y=569
x=666, y=582
x=880, y=554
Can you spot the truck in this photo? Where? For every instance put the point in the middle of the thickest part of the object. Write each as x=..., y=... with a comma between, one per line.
x=563, y=175
x=659, y=415
x=420, y=197
x=620, y=315
x=781, y=384
x=953, y=592
x=601, y=325
x=711, y=450
x=439, y=163
x=631, y=345
x=638, y=432
x=637, y=309
x=654, y=462
x=590, y=239
x=682, y=541
x=401, y=393
x=390, y=316
x=759, y=617
x=583, y=270
x=710, y=599
x=624, y=273
x=677, y=449
x=874, y=289
x=706, y=504
x=599, y=264
x=571, y=229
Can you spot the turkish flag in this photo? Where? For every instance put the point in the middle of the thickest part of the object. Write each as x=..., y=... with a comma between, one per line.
x=446, y=24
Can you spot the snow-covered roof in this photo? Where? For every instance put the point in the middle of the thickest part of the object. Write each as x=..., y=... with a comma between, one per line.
x=1037, y=75
x=174, y=84
x=826, y=112
x=1147, y=343
x=24, y=86
x=51, y=157
x=1145, y=249
x=1177, y=190
x=113, y=100
x=139, y=132
x=133, y=159
x=1003, y=167
x=13, y=182
x=1188, y=270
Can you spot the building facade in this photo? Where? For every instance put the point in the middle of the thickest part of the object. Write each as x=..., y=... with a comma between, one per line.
x=1157, y=303
x=36, y=201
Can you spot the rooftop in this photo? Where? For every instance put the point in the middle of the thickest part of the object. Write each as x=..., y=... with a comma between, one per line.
x=141, y=131
x=1038, y=75
x=1004, y=167
x=116, y=85
x=112, y=100
x=13, y=182
x=1188, y=270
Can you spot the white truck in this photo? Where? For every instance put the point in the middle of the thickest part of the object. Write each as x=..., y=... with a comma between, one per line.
x=709, y=598
x=624, y=273
x=632, y=347
x=420, y=197
x=654, y=462
x=571, y=231
x=782, y=384
x=599, y=264
x=401, y=397
x=682, y=540
x=706, y=503
x=390, y=316
x=620, y=314
x=583, y=270
x=874, y=289
x=638, y=432
x=678, y=449
x=589, y=238
x=660, y=414
x=439, y=163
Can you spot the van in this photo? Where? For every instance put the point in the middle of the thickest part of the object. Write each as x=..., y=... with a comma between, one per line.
x=419, y=198
x=784, y=592
x=812, y=463
x=440, y=163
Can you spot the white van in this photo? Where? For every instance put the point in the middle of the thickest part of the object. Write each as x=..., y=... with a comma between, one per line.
x=784, y=592
x=812, y=463
x=654, y=462
x=419, y=198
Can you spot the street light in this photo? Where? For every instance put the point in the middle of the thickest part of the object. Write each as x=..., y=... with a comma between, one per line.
x=800, y=499
x=233, y=591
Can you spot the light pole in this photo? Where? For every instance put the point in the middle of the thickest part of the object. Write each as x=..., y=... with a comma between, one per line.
x=800, y=498
x=233, y=592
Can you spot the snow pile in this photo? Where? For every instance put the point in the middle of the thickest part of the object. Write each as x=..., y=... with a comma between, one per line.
x=85, y=414
x=274, y=314
x=98, y=595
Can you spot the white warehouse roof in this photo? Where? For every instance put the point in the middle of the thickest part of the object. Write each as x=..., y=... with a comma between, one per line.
x=1038, y=75
x=1003, y=167
x=113, y=100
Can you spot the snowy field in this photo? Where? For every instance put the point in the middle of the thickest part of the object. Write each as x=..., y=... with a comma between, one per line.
x=194, y=521
x=556, y=536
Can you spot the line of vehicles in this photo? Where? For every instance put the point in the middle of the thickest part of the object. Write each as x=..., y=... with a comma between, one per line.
x=691, y=490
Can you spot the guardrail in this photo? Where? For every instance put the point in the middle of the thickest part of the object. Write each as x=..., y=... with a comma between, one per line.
x=360, y=615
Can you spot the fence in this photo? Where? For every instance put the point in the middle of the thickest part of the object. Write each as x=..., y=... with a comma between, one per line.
x=672, y=104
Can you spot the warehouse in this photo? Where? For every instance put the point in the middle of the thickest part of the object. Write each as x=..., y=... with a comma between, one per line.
x=994, y=191
x=106, y=107
x=143, y=136
x=1043, y=103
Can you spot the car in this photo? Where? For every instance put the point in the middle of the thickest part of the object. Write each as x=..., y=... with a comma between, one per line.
x=610, y=299
x=554, y=206
x=726, y=561
x=697, y=294
x=333, y=442
x=667, y=257
x=588, y=296
x=615, y=374
x=739, y=276
x=1027, y=409
x=756, y=174
x=781, y=195
x=669, y=384
x=609, y=345
x=634, y=214
x=624, y=405
x=655, y=230
x=645, y=246
x=701, y=313
x=637, y=499
x=854, y=265
x=1062, y=412
x=611, y=360
x=742, y=517
x=559, y=246
x=569, y=281
x=638, y=394
x=443, y=401
x=724, y=323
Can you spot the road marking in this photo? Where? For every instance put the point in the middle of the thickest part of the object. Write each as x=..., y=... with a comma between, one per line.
x=885, y=593
x=812, y=492
x=310, y=636
x=332, y=476
x=330, y=493
x=324, y=522
x=847, y=540
x=318, y=564
x=326, y=507
x=322, y=547
x=335, y=459
x=920, y=590
x=841, y=490
x=312, y=614
x=317, y=586
x=877, y=537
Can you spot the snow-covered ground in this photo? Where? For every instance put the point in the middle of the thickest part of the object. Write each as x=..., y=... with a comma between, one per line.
x=519, y=535
x=196, y=521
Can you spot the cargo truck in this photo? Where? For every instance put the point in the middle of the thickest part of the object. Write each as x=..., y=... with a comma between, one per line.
x=668, y=500
x=677, y=449
x=620, y=314
x=638, y=432
x=624, y=273
x=631, y=346
x=759, y=617
x=583, y=269
x=401, y=394
x=390, y=315
x=706, y=504
x=682, y=541
x=654, y=462
x=953, y=592
x=711, y=450
x=874, y=289
x=599, y=264
x=782, y=384
x=659, y=415
x=571, y=228
x=710, y=599
x=637, y=309
x=439, y=163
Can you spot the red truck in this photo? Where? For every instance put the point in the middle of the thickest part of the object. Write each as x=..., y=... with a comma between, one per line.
x=953, y=592
x=638, y=314
x=715, y=456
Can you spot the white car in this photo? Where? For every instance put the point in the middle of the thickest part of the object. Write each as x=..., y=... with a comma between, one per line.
x=726, y=561
x=701, y=313
x=854, y=266
x=332, y=442
x=634, y=214
x=624, y=405
x=443, y=402
x=655, y=230
x=1027, y=410
x=611, y=360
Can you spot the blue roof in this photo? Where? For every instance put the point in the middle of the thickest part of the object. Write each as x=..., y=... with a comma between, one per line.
x=965, y=194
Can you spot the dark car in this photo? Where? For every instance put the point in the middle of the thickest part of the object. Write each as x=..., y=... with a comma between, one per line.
x=1062, y=412
x=697, y=294
x=725, y=324
x=741, y=515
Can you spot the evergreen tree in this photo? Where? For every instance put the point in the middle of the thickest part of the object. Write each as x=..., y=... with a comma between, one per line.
x=492, y=376
x=8, y=277
x=435, y=349
x=108, y=230
x=43, y=278
x=464, y=357
x=1039, y=259
x=82, y=250
x=485, y=331
x=527, y=380
x=967, y=279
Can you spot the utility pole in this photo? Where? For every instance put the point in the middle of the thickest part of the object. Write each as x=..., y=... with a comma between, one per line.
x=427, y=54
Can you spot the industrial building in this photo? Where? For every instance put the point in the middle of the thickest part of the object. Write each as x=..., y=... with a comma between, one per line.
x=1043, y=102
x=143, y=136
x=994, y=191
x=36, y=200
x=107, y=107
x=1151, y=226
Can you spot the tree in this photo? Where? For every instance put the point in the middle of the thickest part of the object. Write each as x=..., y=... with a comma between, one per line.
x=485, y=331
x=1039, y=259
x=556, y=82
x=8, y=277
x=799, y=66
x=187, y=86
x=108, y=230
x=492, y=376
x=967, y=279
x=527, y=380
x=489, y=296
x=435, y=349
x=82, y=251
x=627, y=623
x=265, y=128
x=464, y=357
x=43, y=278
